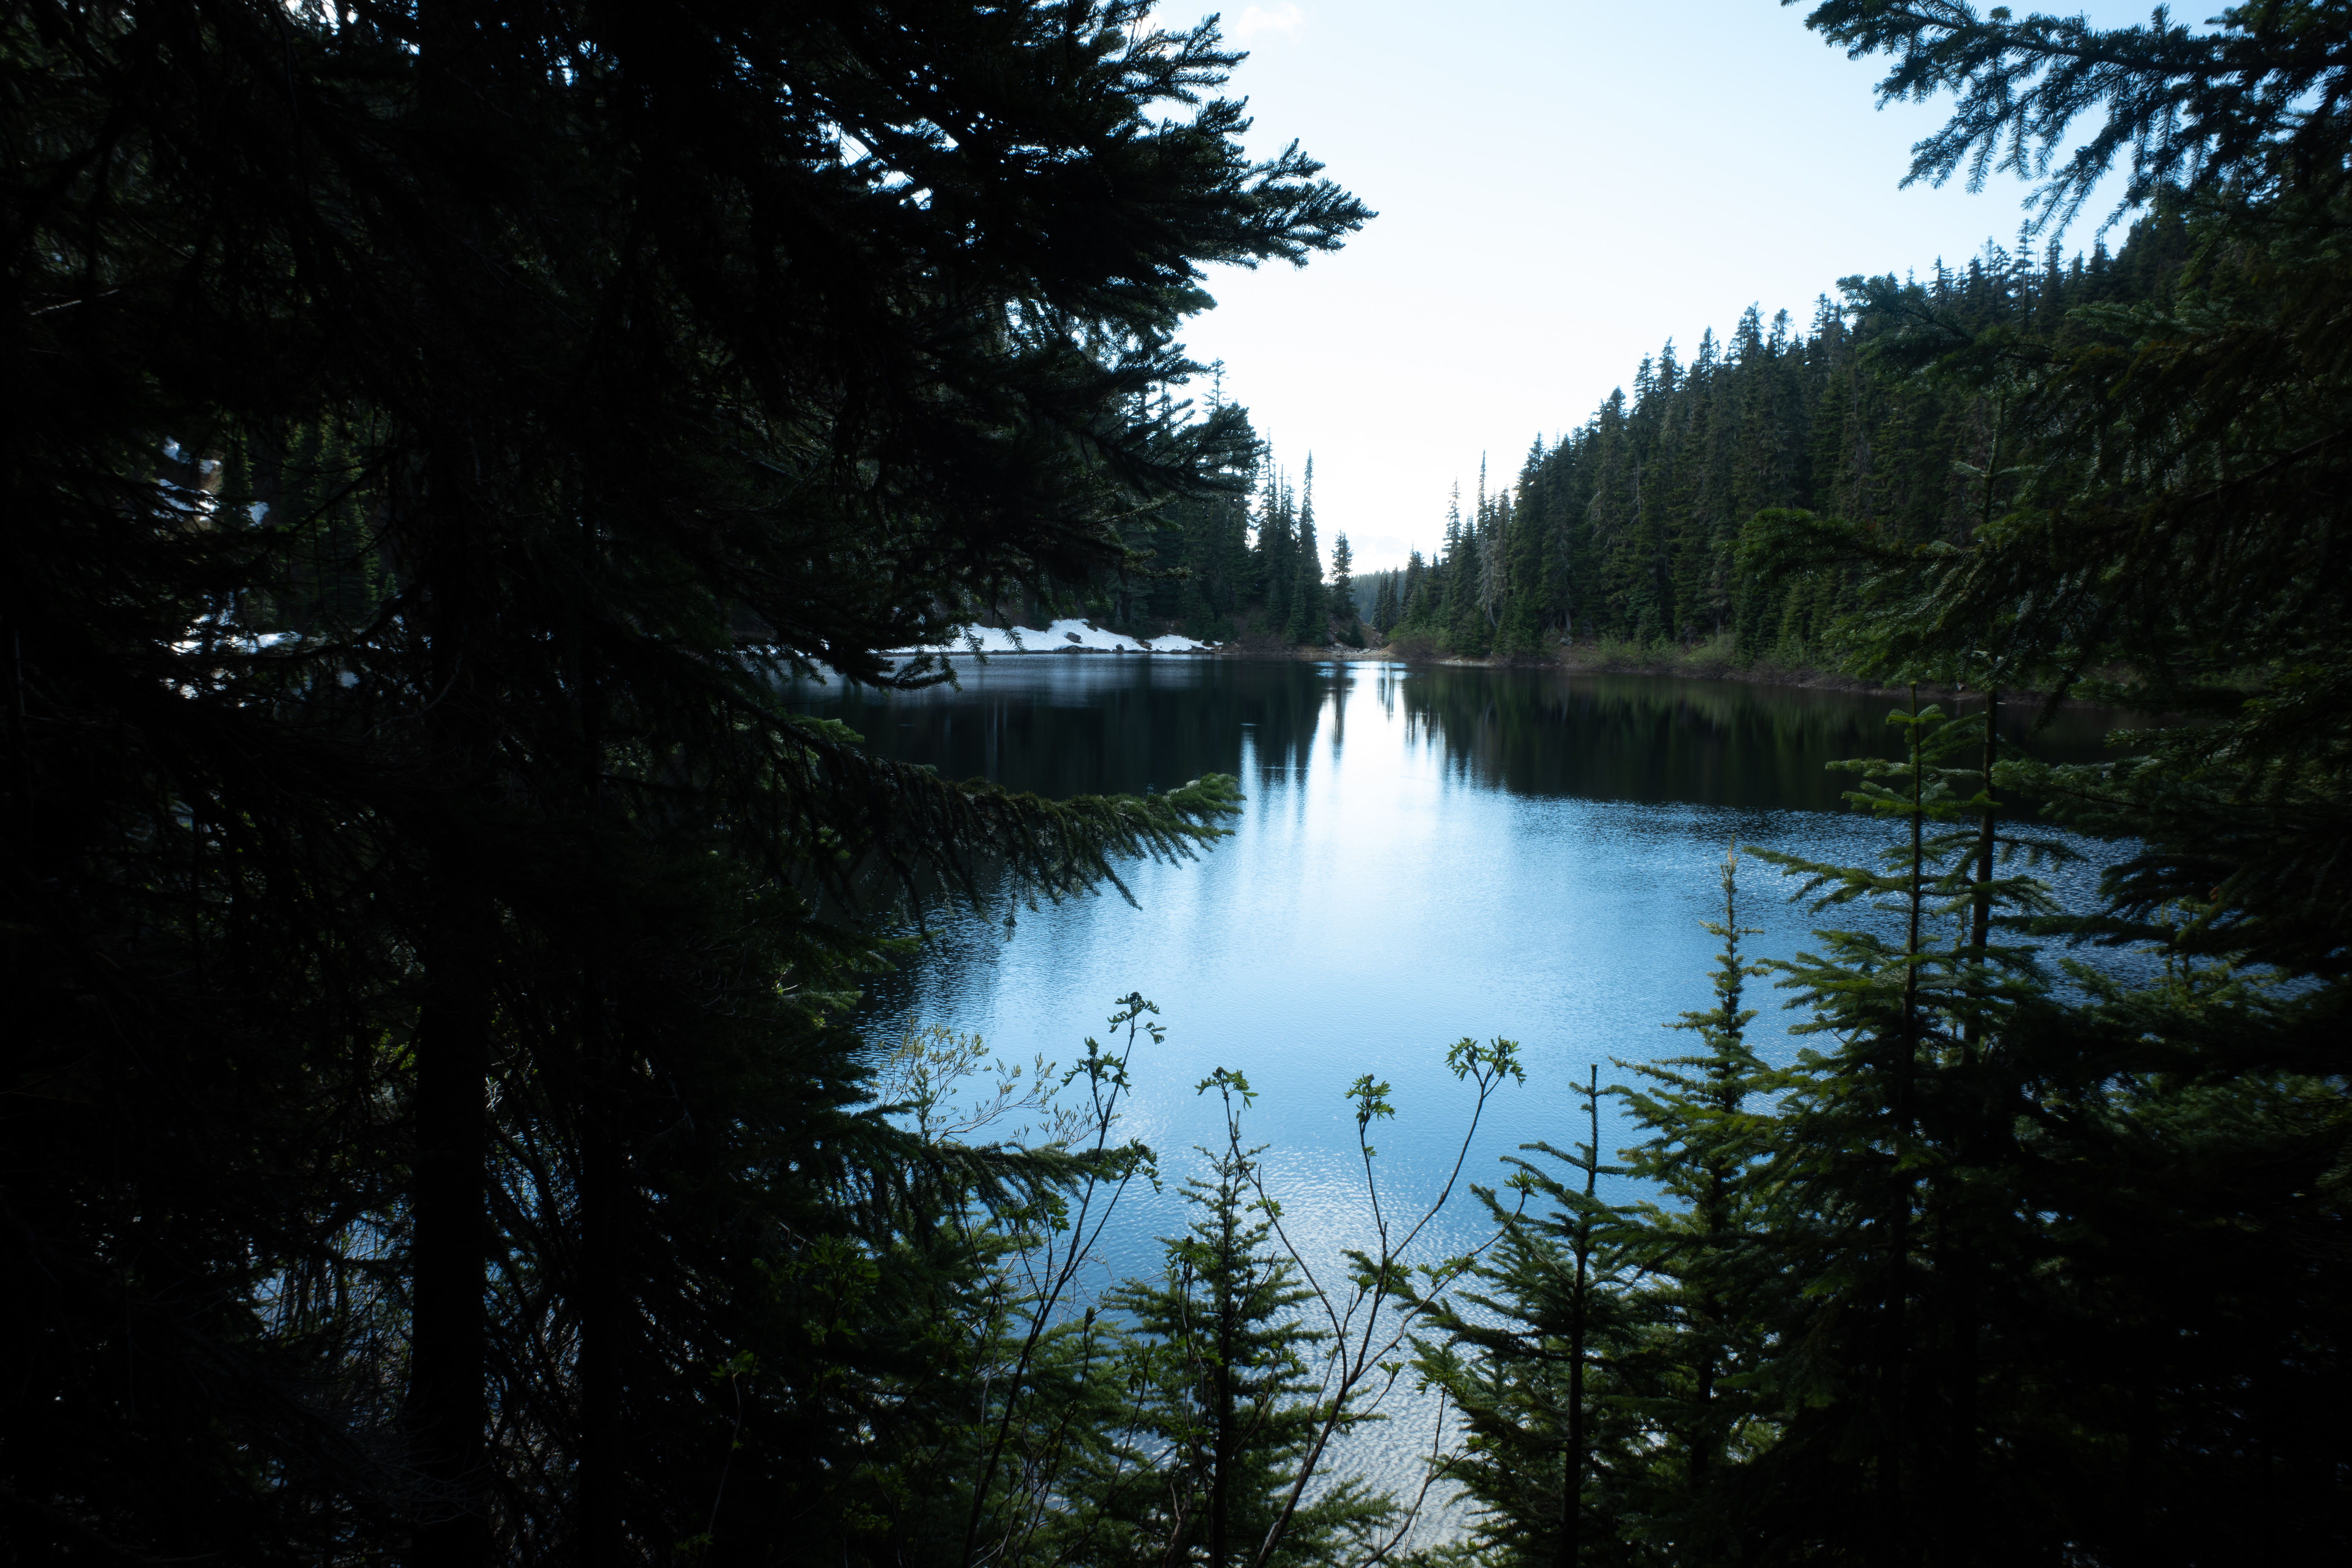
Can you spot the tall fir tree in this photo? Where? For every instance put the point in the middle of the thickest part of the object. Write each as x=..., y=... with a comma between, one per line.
x=1310, y=623
x=1344, y=613
x=1277, y=549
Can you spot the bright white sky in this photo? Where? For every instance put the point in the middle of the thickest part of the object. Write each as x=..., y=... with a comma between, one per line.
x=1562, y=186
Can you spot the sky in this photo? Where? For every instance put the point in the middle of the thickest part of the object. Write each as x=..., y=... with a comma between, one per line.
x=1562, y=188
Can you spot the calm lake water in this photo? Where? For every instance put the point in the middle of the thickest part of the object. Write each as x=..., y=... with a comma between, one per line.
x=1426, y=853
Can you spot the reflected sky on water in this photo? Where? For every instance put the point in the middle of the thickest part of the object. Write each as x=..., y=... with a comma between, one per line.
x=1425, y=852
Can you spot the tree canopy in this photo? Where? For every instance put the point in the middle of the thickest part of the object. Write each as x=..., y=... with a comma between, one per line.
x=438, y=434
x=2022, y=1258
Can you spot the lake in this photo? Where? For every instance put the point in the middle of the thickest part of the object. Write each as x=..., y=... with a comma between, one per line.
x=1426, y=853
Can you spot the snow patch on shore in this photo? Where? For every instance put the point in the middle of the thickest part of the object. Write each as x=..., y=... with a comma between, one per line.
x=1062, y=637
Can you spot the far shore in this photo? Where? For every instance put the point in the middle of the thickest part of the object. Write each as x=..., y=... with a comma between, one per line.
x=1579, y=658
x=1705, y=661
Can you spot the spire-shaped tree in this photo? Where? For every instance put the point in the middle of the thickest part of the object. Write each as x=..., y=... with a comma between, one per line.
x=1311, y=621
x=1226, y=1404
x=1276, y=552
x=1344, y=613
x=1415, y=593
x=1535, y=1359
x=1385, y=610
x=1708, y=1144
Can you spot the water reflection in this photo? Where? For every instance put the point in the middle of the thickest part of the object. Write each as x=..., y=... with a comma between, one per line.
x=1642, y=738
x=1081, y=724
x=1076, y=724
x=1425, y=854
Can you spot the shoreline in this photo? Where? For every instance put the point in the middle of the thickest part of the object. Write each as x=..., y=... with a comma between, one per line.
x=1587, y=659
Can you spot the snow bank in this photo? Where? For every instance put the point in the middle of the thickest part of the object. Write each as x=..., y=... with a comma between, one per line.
x=1062, y=637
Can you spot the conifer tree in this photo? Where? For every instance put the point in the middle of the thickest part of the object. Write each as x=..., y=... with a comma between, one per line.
x=475, y=1054
x=1996, y=1238
x=1227, y=1403
x=1717, y=1281
x=1309, y=621
x=1462, y=616
x=1385, y=611
x=1349, y=619
x=1862, y=1166
x=1417, y=592
x=1277, y=550
x=1537, y=1365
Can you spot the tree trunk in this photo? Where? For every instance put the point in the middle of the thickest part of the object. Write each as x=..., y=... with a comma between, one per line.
x=1889, y=1549
x=1980, y=917
x=1572, y=1499
x=447, y=1410
x=601, y=1519
x=1960, y=1268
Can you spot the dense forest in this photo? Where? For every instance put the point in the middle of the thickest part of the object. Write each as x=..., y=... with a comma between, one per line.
x=1628, y=528
x=1248, y=564
x=437, y=1129
x=1627, y=531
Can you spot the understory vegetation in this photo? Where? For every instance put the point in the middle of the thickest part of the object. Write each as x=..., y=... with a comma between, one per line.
x=436, y=1127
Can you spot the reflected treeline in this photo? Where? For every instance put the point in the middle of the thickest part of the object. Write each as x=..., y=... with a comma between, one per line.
x=1062, y=725
x=1084, y=724
x=1648, y=738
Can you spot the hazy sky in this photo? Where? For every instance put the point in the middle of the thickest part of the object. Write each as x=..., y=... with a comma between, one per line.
x=1561, y=187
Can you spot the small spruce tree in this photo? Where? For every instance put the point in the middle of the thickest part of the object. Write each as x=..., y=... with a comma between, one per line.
x=1225, y=1404
x=1534, y=1358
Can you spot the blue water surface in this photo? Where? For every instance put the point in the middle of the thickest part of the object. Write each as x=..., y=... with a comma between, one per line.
x=1425, y=854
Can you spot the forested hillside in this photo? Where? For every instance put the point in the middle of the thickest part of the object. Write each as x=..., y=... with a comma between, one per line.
x=1628, y=528
x=1249, y=563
